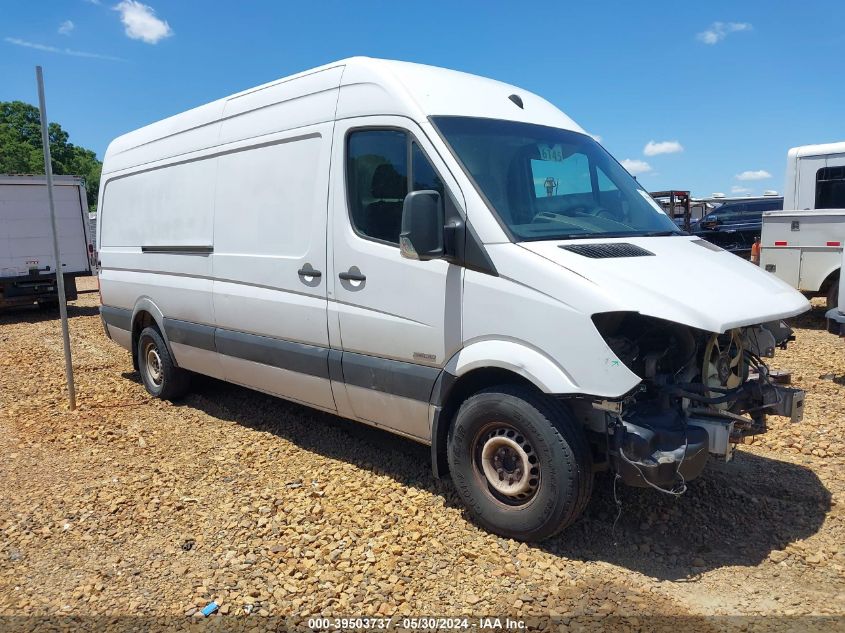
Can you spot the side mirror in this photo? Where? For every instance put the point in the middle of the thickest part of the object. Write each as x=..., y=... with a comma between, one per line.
x=423, y=217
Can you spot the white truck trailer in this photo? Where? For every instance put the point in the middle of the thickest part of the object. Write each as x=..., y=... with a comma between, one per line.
x=836, y=315
x=803, y=243
x=27, y=264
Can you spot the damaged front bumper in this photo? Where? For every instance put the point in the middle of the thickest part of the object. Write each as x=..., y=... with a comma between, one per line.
x=666, y=448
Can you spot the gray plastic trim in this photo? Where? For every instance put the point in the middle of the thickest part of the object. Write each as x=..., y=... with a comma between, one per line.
x=193, y=334
x=118, y=317
x=395, y=377
x=298, y=357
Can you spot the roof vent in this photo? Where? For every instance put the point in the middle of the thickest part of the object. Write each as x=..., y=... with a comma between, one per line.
x=517, y=100
x=606, y=251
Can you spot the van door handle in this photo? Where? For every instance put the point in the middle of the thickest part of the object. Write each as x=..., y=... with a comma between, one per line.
x=350, y=276
x=309, y=272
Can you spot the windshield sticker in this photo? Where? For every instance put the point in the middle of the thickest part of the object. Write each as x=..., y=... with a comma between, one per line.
x=551, y=152
x=651, y=201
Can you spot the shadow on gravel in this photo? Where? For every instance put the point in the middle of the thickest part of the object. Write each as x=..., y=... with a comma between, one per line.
x=35, y=314
x=734, y=514
x=813, y=319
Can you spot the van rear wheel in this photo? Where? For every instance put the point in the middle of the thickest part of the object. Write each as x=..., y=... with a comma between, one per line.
x=519, y=462
x=162, y=378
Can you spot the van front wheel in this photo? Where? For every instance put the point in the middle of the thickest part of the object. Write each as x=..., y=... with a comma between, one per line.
x=519, y=462
x=162, y=378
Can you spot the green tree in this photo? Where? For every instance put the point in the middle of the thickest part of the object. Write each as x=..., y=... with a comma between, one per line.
x=20, y=148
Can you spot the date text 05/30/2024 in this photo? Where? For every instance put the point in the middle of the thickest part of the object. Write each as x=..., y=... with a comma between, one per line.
x=412, y=624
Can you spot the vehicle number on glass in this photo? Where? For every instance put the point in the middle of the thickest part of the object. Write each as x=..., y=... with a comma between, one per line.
x=551, y=152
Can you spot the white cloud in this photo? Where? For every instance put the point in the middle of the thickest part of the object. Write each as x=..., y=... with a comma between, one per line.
x=61, y=51
x=720, y=30
x=740, y=190
x=66, y=27
x=760, y=174
x=141, y=22
x=97, y=2
x=636, y=166
x=653, y=148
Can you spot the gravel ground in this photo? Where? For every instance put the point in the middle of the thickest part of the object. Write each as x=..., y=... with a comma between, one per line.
x=133, y=508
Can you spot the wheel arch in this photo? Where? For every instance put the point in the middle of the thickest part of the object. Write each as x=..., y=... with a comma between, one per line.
x=832, y=278
x=481, y=365
x=146, y=313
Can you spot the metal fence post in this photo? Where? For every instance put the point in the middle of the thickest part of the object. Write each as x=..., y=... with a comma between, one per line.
x=60, y=280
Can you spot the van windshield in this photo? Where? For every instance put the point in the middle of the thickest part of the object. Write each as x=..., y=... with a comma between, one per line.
x=546, y=183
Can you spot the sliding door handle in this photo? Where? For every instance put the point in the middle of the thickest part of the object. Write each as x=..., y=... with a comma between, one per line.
x=352, y=276
x=309, y=272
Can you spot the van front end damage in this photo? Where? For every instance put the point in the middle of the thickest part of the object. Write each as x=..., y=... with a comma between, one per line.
x=701, y=394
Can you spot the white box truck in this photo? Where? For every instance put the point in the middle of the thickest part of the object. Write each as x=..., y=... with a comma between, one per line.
x=449, y=258
x=803, y=243
x=27, y=263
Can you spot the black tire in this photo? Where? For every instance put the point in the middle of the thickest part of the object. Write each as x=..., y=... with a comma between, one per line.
x=832, y=299
x=543, y=429
x=162, y=378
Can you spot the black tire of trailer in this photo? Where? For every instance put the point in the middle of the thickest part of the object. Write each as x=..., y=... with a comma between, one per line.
x=832, y=299
x=173, y=382
x=555, y=438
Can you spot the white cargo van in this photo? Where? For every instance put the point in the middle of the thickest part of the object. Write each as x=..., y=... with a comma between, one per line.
x=27, y=263
x=803, y=243
x=447, y=257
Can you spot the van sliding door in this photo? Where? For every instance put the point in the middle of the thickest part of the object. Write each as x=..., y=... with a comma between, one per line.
x=270, y=264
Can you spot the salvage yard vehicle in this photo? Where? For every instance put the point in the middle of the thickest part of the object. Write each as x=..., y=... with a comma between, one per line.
x=836, y=314
x=27, y=263
x=735, y=224
x=804, y=249
x=803, y=243
x=449, y=258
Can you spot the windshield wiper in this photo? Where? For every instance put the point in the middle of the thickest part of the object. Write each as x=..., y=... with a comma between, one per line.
x=661, y=233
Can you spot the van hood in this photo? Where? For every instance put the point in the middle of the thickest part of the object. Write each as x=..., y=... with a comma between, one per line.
x=683, y=279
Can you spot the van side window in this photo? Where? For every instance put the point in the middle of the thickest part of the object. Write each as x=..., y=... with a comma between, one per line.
x=377, y=180
x=830, y=188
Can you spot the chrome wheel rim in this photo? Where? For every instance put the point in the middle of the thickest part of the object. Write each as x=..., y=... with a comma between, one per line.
x=508, y=464
x=152, y=364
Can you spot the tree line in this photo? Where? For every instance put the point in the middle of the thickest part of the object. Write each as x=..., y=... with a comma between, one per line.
x=21, y=153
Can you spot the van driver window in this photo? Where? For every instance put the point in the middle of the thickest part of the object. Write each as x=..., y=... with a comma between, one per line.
x=377, y=181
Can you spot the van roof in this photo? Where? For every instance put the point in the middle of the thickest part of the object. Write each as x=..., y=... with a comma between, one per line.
x=822, y=149
x=368, y=87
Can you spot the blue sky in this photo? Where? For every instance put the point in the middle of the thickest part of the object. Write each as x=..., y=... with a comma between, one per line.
x=720, y=89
